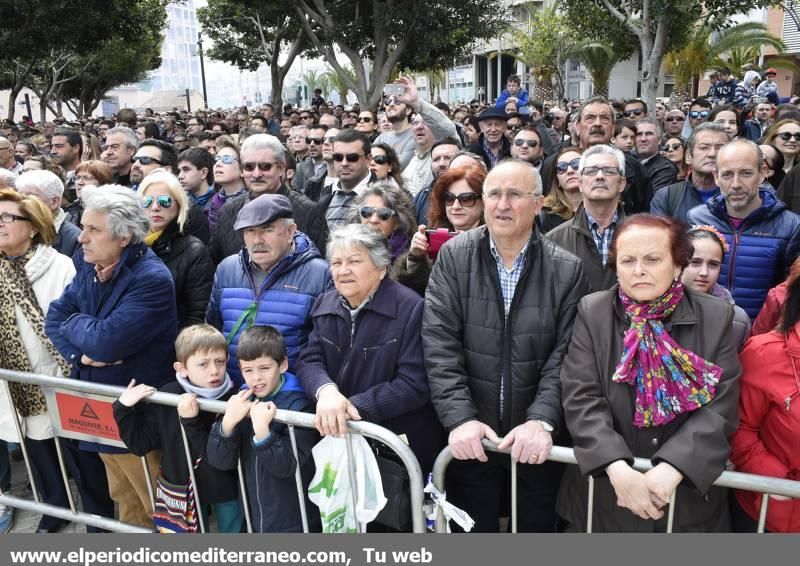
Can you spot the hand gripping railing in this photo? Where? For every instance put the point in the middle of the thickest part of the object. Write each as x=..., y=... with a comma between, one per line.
x=290, y=418
x=735, y=480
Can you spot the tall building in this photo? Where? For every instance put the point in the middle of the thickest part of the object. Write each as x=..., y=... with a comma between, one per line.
x=180, y=64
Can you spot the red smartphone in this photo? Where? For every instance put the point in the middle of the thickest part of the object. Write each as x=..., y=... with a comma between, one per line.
x=437, y=238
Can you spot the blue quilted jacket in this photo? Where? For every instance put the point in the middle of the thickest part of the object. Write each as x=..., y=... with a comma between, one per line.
x=283, y=301
x=761, y=250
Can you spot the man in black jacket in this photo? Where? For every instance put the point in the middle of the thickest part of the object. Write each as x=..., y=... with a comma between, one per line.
x=648, y=144
x=263, y=162
x=494, y=342
x=492, y=145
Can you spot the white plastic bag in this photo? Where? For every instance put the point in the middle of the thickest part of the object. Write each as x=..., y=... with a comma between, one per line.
x=331, y=491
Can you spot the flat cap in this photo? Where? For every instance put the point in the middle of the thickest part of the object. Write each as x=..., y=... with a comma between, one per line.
x=263, y=210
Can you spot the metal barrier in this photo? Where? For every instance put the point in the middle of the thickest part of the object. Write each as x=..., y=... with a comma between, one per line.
x=735, y=480
x=290, y=418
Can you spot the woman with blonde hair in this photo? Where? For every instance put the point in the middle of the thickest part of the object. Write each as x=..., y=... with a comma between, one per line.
x=166, y=205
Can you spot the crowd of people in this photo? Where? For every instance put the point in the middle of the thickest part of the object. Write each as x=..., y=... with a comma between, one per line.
x=594, y=274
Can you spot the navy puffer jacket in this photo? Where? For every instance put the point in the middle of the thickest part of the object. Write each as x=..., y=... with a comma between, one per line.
x=761, y=250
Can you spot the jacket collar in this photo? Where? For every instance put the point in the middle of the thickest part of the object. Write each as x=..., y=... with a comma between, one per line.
x=383, y=301
x=581, y=223
x=682, y=315
x=770, y=206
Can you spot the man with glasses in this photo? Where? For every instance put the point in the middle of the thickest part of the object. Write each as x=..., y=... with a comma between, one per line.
x=151, y=155
x=194, y=126
x=398, y=111
x=121, y=144
x=594, y=125
x=351, y=156
x=648, y=144
x=314, y=165
x=763, y=234
x=488, y=379
x=588, y=235
x=321, y=184
x=698, y=113
x=673, y=123
x=527, y=146
x=263, y=163
x=635, y=109
x=8, y=159
x=677, y=199
x=513, y=125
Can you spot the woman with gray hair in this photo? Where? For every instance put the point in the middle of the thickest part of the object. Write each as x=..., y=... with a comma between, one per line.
x=364, y=356
x=386, y=208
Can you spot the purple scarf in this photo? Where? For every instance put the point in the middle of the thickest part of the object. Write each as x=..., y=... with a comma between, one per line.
x=668, y=379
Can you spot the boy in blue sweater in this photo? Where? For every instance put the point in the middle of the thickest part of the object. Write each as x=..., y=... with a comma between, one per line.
x=264, y=445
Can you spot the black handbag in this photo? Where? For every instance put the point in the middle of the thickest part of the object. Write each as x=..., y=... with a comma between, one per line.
x=396, y=515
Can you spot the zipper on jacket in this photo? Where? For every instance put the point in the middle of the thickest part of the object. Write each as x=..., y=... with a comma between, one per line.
x=331, y=342
x=732, y=264
x=258, y=493
x=378, y=346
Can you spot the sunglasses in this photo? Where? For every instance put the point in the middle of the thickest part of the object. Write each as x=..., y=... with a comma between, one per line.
x=671, y=147
x=350, y=157
x=674, y=119
x=467, y=200
x=380, y=159
x=786, y=136
x=562, y=166
x=635, y=112
x=696, y=114
x=392, y=101
x=306, y=117
x=182, y=140
x=329, y=139
x=317, y=141
x=261, y=165
x=383, y=213
x=164, y=201
x=146, y=160
x=226, y=159
x=365, y=119
x=529, y=143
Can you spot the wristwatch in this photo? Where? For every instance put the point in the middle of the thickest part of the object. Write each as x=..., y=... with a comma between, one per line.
x=546, y=426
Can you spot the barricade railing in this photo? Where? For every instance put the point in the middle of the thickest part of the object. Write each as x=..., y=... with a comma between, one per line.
x=291, y=418
x=730, y=479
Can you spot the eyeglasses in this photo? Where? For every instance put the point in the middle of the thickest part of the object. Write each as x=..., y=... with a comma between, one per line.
x=329, y=139
x=146, y=160
x=786, y=136
x=391, y=101
x=8, y=218
x=365, y=119
x=467, y=200
x=383, y=213
x=671, y=147
x=529, y=143
x=261, y=165
x=591, y=171
x=514, y=127
x=562, y=166
x=182, y=140
x=634, y=112
x=163, y=201
x=226, y=159
x=85, y=179
x=380, y=159
x=306, y=117
x=350, y=157
x=512, y=195
x=695, y=114
x=674, y=119
x=317, y=141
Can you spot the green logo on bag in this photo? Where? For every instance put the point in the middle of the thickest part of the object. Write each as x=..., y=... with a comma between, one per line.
x=333, y=522
x=326, y=483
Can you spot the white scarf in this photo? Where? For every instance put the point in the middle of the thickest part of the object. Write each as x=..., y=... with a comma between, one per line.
x=205, y=392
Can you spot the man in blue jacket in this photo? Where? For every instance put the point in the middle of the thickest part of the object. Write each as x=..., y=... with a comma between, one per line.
x=763, y=234
x=273, y=280
x=117, y=321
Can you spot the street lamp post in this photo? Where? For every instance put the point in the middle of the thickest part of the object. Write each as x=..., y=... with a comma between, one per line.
x=202, y=67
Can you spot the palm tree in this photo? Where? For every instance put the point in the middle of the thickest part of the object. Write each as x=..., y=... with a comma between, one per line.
x=741, y=57
x=599, y=59
x=705, y=46
x=311, y=79
x=338, y=83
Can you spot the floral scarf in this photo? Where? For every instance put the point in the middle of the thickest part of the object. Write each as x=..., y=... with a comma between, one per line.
x=668, y=379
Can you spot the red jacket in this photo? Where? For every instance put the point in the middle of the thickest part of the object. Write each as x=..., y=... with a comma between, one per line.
x=768, y=437
x=770, y=314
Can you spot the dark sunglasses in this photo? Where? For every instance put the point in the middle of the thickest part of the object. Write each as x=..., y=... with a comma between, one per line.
x=467, y=200
x=562, y=166
x=696, y=114
x=306, y=117
x=261, y=165
x=786, y=136
x=635, y=112
x=164, y=201
x=329, y=138
x=350, y=157
x=529, y=143
x=183, y=140
x=317, y=141
x=671, y=147
x=380, y=159
x=146, y=160
x=365, y=119
x=674, y=119
x=226, y=159
x=383, y=213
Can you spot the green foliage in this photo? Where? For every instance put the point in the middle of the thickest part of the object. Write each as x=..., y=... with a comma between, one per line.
x=599, y=59
x=338, y=81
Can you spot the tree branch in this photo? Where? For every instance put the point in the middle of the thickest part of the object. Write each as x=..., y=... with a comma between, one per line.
x=623, y=19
